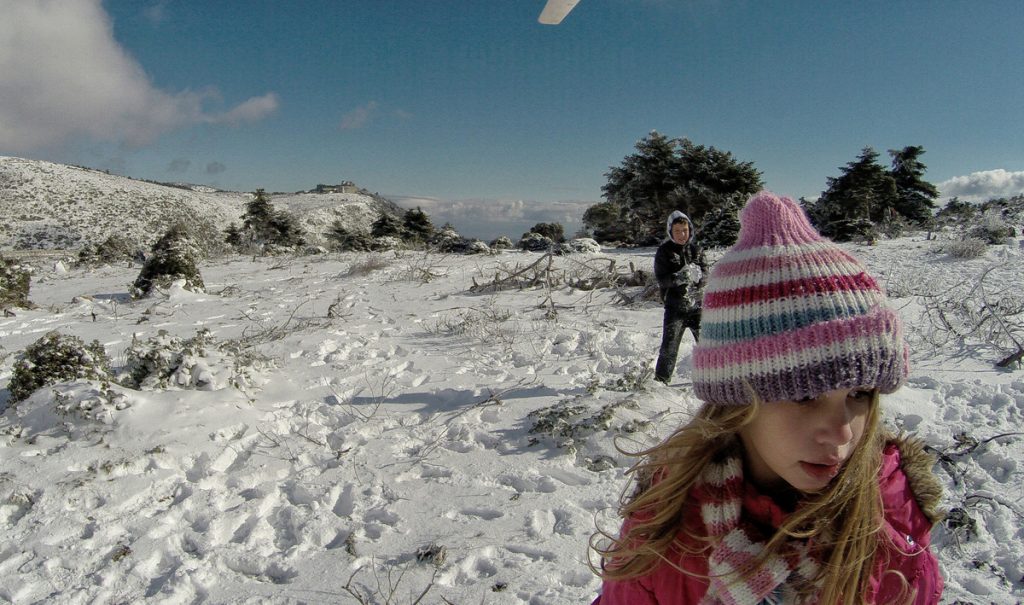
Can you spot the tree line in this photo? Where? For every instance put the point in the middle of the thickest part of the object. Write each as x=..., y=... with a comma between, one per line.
x=710, y=185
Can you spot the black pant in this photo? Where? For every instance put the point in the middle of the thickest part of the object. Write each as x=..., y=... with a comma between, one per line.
x=674, y=324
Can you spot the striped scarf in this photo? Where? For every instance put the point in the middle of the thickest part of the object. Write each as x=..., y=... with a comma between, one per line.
x=720, y=491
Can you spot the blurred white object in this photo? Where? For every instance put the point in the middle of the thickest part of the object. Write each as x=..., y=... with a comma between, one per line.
x=694, y=273
x=556, y=10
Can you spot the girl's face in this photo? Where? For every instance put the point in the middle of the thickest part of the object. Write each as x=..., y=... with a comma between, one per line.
x=804, y=444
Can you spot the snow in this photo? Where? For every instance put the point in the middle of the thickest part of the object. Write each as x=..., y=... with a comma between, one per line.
x=379, y=441
x=52, y=205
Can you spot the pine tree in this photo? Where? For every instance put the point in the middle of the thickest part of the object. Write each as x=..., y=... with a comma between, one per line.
x=348, y=240
x=721, y=226
x=264, y=225
x=643, y=185
x=670, y=174
x=605, y=222
x=233, y=235
x=387, y=225
x=915, y=196
x=864, y=194
x=416, y=225
x=174, y=256
x=259, y=213
x=708, y=178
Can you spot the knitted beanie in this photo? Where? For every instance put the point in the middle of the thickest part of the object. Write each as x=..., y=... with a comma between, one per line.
x=790, y=315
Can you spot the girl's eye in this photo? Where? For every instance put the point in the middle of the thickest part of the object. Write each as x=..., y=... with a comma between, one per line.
x=860, y=394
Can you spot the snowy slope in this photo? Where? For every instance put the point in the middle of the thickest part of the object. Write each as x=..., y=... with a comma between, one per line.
x=54, y=206
x=47, y=205
x=403, y=412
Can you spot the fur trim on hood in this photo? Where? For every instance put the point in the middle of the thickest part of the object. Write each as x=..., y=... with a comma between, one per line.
x=676, y=215
x=917, y=465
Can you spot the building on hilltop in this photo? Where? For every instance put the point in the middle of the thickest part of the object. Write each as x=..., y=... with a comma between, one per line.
x=343, y=187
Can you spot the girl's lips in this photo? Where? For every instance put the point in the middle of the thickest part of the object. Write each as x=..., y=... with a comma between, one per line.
x=820, y=471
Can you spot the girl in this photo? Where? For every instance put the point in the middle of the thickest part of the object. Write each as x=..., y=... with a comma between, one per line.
x=783, y=488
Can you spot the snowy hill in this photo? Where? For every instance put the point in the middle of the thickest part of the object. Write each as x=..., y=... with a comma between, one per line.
x=316, y=212
x=394, y=432
x=54, y=206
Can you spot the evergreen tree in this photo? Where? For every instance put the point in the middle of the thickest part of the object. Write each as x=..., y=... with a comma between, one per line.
x=865, y=193
x=259, y=212
x=174, y=256
x=285, y=230
x=915, y=196
x=670, y=174
x=417, y=226
x=347, y=240
x=553, y=231
x=605, y=222
x=264, y=225
x=233, y=235
x=721, y=226
x=387, y=225
x=957, y=211
x=708, y=178
x=643, y=185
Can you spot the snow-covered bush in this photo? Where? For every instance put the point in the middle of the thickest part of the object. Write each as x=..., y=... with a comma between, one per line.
x=56, y=358
x=174, y=257
x=368, y=264
x=201, y=362
x=969, y=247
x=535, y=242
x=477, y=247
x=502, y=243
x=570, y=422
x=115, y=248
x=851, y=229
x=992, y=229
x=445, y=239
x=342, y=238
x=582, y=245
x=387, y=242
x=14, y=284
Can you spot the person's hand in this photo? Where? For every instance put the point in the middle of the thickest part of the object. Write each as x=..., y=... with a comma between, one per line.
x=693, y=272
x=680, y=278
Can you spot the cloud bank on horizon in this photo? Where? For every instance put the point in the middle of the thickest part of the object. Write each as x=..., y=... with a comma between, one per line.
x=489, y=219
x=984, y=185
x=65, y=77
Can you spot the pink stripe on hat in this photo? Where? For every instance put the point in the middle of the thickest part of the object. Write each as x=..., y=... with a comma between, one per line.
x=780, y=263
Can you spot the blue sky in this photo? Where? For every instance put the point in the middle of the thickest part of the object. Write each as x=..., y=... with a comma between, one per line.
x=485, y=118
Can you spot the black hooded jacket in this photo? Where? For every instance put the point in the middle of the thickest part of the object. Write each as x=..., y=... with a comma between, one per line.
x=671, y=259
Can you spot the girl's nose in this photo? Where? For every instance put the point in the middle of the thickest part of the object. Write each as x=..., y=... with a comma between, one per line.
x=835, y=425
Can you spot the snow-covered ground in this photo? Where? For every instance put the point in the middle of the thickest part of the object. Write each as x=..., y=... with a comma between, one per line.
x=399, y=434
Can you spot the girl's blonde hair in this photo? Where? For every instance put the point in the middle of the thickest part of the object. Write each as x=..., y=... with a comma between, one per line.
x=844, y=521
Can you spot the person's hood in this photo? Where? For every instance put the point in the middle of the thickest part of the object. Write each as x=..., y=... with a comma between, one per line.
x=677, y=214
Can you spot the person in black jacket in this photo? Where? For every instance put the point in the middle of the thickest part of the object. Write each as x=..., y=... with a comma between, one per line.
x=680, y=268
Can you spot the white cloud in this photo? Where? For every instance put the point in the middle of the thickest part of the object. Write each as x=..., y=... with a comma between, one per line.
x=985, y=185
x=65, y=76
x=253, y=110
x=488, y=219
x=358, y=117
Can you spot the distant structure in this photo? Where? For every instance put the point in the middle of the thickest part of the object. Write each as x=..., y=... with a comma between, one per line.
x=343, y=187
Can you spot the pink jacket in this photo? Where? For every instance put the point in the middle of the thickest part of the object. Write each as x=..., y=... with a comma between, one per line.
x=906, y=522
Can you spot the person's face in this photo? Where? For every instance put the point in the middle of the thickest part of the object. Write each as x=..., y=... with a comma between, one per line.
x=804, y=444
x=681, y=232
